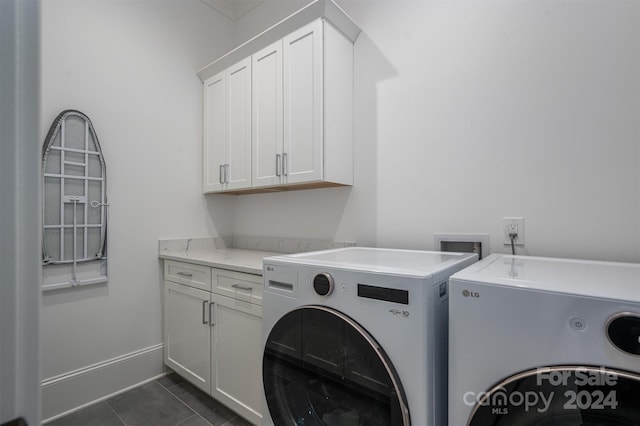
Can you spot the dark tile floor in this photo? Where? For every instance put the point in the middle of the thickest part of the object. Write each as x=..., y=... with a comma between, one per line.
x=168, y=401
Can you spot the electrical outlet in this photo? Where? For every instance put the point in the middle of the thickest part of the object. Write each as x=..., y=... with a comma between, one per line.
x=513, y=225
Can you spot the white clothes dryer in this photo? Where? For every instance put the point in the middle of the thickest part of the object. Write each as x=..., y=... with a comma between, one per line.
x=541, y=341
x=357, y=336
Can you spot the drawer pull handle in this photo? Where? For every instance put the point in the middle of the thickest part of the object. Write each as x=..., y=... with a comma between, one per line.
x=185, y=274
x=239, y=287
x=204, y=310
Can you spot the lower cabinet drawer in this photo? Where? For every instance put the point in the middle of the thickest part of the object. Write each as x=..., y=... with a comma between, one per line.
x=190, y=274
x=238, y=285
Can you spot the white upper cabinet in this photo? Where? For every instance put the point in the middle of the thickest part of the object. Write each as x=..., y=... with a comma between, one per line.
x=282, y=117
x=303, y=109
x=227, y=129
x=287, y=114
x=215, y=132
x=267, y=118
x=302, y=54
x=238, y=171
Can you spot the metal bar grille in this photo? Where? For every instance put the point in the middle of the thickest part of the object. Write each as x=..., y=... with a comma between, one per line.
x=74, y=199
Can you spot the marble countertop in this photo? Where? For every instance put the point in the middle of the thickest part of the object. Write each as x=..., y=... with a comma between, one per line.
x=247, y=254
x=241, y=260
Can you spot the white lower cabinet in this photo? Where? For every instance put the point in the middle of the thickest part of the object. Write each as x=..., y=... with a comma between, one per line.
x=213, y=339
x=187, y=335
x=236, y=360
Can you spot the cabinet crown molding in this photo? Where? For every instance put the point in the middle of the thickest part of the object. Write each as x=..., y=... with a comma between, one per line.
x=325, y=9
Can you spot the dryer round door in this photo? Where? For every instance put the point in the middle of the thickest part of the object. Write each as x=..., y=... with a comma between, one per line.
x=320, y=367
x=560, y=396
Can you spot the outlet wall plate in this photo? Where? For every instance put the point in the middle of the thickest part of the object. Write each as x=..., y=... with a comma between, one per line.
x=508, y=224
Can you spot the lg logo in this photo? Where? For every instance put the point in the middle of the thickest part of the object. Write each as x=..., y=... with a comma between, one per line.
x=467, y=293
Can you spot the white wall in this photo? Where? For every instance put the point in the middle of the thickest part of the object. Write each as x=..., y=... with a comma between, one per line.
x=264, y=16
x=131, y=67
x=471, y=111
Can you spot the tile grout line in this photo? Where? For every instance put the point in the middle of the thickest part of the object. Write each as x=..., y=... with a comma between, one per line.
x=231, y=420
x=181, y=401
x=168, y=388
x=195, y=414
x=114, y=413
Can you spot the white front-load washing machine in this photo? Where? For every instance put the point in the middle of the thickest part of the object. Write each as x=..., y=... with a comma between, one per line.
x=541, y=341
x=356, y=336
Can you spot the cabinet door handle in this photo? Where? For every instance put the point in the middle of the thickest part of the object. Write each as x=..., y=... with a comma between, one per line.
x=185, y=274
x=220, y=177
x=211, y=321
x=239, y=287
x=204, y=310
x=226, y=173
x=278, y=165
x=284, y=164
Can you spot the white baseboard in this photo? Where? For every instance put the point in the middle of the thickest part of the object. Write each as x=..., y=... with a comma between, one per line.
x=74, y=390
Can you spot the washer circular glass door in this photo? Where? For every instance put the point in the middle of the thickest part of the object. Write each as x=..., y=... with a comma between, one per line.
x=560, y=396
x=320, y=367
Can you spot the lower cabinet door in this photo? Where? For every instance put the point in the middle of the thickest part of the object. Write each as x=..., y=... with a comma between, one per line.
x=187, y=334
x=237, y=356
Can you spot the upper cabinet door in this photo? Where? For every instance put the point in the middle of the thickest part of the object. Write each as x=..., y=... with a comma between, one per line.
x=303, y=104
x=267, y=121
x=215, y=132
x=237, y=173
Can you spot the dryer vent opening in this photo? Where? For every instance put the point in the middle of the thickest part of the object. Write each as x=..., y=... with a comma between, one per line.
x=463, y=243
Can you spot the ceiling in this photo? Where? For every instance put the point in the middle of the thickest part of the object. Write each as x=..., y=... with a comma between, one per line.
x=233, y=9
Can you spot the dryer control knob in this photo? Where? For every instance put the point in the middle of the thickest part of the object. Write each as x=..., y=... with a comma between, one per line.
x=323, y=284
